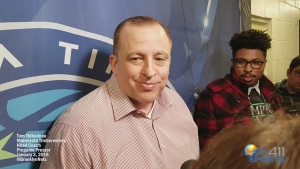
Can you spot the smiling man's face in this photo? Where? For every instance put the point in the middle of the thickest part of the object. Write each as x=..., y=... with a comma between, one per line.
x=142, y=63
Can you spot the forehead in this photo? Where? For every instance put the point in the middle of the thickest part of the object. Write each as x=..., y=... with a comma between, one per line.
x=141, y=31
x=249, y=54
x=147, y=36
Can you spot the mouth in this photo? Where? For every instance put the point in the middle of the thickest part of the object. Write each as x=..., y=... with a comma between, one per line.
x=148, y=86
x=247, y=78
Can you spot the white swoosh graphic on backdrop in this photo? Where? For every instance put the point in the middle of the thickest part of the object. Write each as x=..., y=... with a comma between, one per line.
x=60, y=27
x=55, y=26
x=46, y=78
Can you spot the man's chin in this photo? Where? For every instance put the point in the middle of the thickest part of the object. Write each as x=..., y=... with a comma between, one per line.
x=249, y=83
x=146, y=99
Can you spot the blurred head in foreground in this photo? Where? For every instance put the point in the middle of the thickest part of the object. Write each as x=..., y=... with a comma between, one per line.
x=226, y=150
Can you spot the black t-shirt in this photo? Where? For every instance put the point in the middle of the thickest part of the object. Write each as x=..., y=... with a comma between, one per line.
x=260, y=109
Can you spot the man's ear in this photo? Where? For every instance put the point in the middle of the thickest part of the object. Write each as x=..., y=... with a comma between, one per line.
x=288, y=72
x=113, y=63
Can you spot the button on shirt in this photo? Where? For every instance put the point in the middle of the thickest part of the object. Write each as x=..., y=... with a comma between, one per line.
x=104, y=130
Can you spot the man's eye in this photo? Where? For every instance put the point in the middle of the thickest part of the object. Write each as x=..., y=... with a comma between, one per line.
x=136, y=59
x=160, y=59
x=240, y=61
x=256, y=62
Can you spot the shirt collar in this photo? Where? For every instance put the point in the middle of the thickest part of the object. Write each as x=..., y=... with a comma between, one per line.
x=256, y=87
x=150, y=113
x=122, y=105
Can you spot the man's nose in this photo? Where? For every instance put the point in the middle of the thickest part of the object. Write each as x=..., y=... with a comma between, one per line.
x=248, y=67
x=148, y=68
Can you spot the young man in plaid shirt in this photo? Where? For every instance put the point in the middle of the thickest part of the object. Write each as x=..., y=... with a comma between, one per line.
x=229, y=101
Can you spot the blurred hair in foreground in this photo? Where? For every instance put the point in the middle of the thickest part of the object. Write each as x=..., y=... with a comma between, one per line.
x=226, y=149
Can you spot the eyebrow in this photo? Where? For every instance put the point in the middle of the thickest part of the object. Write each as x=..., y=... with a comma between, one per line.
x=155, y=54
x=250, y=60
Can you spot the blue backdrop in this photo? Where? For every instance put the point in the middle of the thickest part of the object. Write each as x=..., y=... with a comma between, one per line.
x=53, y=52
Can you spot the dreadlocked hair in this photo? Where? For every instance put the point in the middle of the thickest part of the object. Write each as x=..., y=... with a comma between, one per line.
x=250, y=39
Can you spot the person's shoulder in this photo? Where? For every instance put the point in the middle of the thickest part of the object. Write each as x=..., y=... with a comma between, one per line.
x=172, y=95
x=93, y=98
x=175, y=99
x=281, y=84
x=218, y=84
x=268, y=87
x=85, y=107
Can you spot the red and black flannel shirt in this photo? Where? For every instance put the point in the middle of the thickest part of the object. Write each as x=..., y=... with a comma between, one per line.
x=225, y=102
